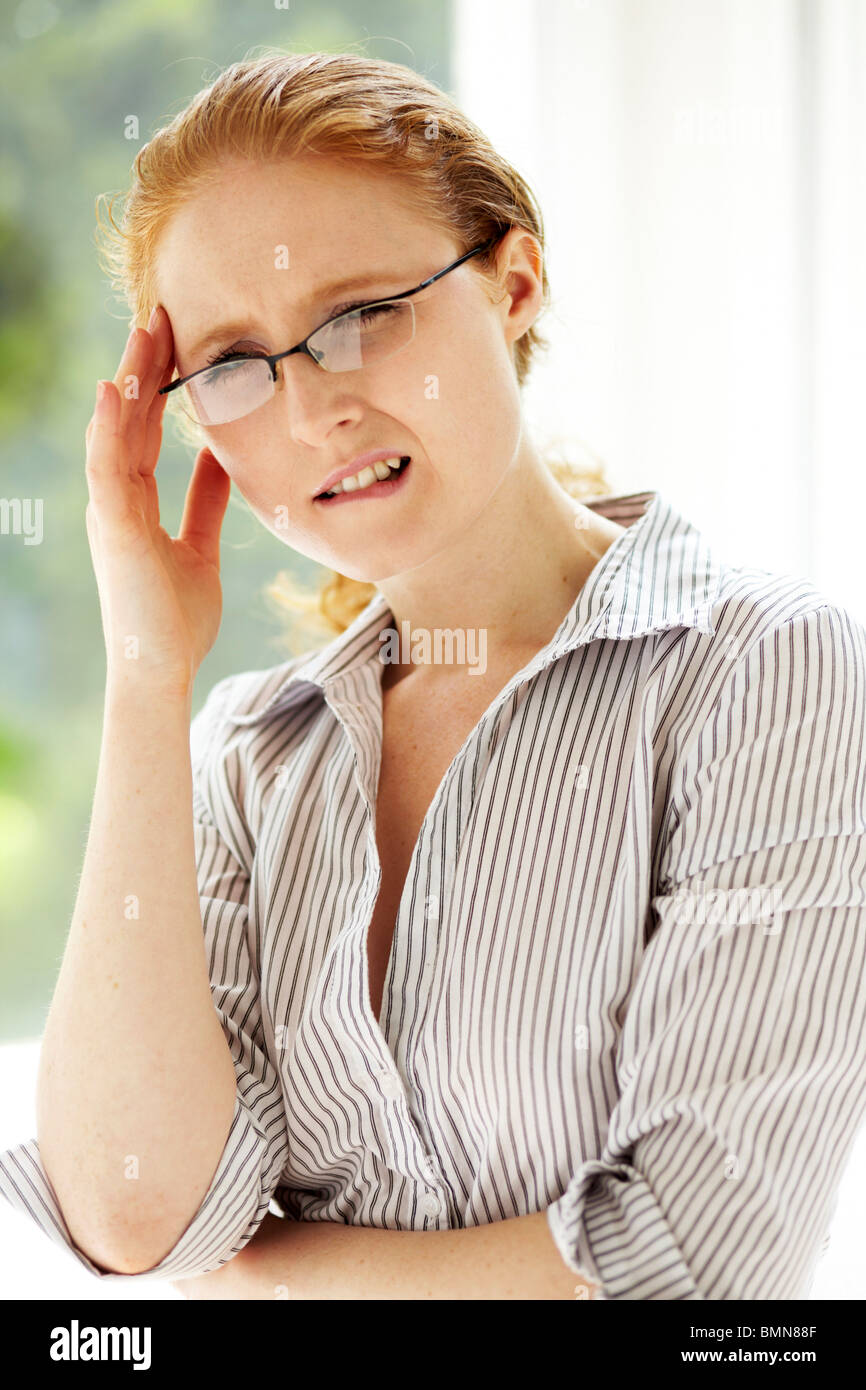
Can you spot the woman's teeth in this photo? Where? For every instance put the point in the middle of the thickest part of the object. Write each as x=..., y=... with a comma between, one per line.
x=373, y=473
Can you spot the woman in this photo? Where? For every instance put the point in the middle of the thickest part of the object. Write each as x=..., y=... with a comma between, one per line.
x=533, y=902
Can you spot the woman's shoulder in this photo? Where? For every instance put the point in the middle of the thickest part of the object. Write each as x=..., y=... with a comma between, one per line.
x=752, y=603
x=775, y=644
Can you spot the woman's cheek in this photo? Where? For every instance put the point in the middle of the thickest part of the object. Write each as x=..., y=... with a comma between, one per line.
x=282, y=520
x=254, y=486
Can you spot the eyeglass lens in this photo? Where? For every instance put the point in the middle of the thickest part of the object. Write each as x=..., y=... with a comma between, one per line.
x=230, y=390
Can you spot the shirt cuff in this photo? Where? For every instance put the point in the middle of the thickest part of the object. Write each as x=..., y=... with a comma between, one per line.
x=608, y=1228
x=228, y=1216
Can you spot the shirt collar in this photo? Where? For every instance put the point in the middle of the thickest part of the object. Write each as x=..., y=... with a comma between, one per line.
x=660, y=573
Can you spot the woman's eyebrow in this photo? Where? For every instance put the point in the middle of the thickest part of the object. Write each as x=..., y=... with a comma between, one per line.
x=237, y=326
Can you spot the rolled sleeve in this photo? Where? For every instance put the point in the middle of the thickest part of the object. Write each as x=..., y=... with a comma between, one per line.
x=256, y=1147
x=741, y=1064
x=230, y=1208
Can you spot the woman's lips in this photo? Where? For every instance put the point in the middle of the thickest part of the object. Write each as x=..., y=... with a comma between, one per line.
x=384, y=488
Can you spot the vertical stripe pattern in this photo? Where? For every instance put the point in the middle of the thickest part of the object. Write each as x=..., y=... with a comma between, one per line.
x=627, y=984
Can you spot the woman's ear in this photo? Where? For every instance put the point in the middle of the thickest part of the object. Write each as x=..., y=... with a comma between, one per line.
x=520, y=270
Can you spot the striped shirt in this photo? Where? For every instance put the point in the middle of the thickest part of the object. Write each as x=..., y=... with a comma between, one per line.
x=627, y=984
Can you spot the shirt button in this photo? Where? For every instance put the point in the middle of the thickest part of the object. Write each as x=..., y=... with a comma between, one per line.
x=391, y=1086
x=431, y=1204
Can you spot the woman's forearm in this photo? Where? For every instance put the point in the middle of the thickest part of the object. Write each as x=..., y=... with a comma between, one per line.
x=136, y=1085
x=514, y=1259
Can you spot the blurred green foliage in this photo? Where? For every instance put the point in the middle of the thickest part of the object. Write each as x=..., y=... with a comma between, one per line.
x=72, y=72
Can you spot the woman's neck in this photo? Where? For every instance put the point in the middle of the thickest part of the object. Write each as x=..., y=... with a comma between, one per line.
x=508, y=585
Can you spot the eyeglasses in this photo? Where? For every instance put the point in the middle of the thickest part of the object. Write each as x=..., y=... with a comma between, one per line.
x=239, y=383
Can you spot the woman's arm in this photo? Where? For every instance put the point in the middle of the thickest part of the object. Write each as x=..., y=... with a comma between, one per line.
x=256, y=1150
x=741, y=1061
x=136, y=1086
x=514, y=1259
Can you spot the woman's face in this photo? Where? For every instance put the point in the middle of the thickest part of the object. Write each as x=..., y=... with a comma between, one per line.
x=256, y=251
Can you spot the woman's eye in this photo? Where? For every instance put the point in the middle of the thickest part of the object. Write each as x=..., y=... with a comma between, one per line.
x=378, y=311
x=370, y=312
x=365, y=314
x=232, y=355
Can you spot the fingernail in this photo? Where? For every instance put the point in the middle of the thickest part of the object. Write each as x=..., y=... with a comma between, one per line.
x=153, y=317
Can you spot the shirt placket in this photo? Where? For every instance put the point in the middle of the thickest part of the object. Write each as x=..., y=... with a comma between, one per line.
x=375, y=1070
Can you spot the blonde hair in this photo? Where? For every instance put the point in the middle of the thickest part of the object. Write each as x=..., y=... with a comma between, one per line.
x=346, y=107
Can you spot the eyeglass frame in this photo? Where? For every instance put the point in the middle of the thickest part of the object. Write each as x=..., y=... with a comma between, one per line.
x=273, y=358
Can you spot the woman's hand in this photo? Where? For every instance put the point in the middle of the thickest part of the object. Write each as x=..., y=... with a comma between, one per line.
x=160, y=597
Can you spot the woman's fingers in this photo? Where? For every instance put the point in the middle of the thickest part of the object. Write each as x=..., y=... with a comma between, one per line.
x=104, y=457
x=154, y=421
x=116, y=506
x=130, y=369
x=159, y=373
x=206, y=501
x=143, y=366
x=160, y=365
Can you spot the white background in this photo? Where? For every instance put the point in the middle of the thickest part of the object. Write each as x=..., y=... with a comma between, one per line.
x=701, y=169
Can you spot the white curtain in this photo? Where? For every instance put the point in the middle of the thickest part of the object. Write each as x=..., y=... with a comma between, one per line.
x=700, y=167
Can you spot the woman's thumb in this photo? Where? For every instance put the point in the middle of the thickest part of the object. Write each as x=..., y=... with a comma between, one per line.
x=206, y=501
